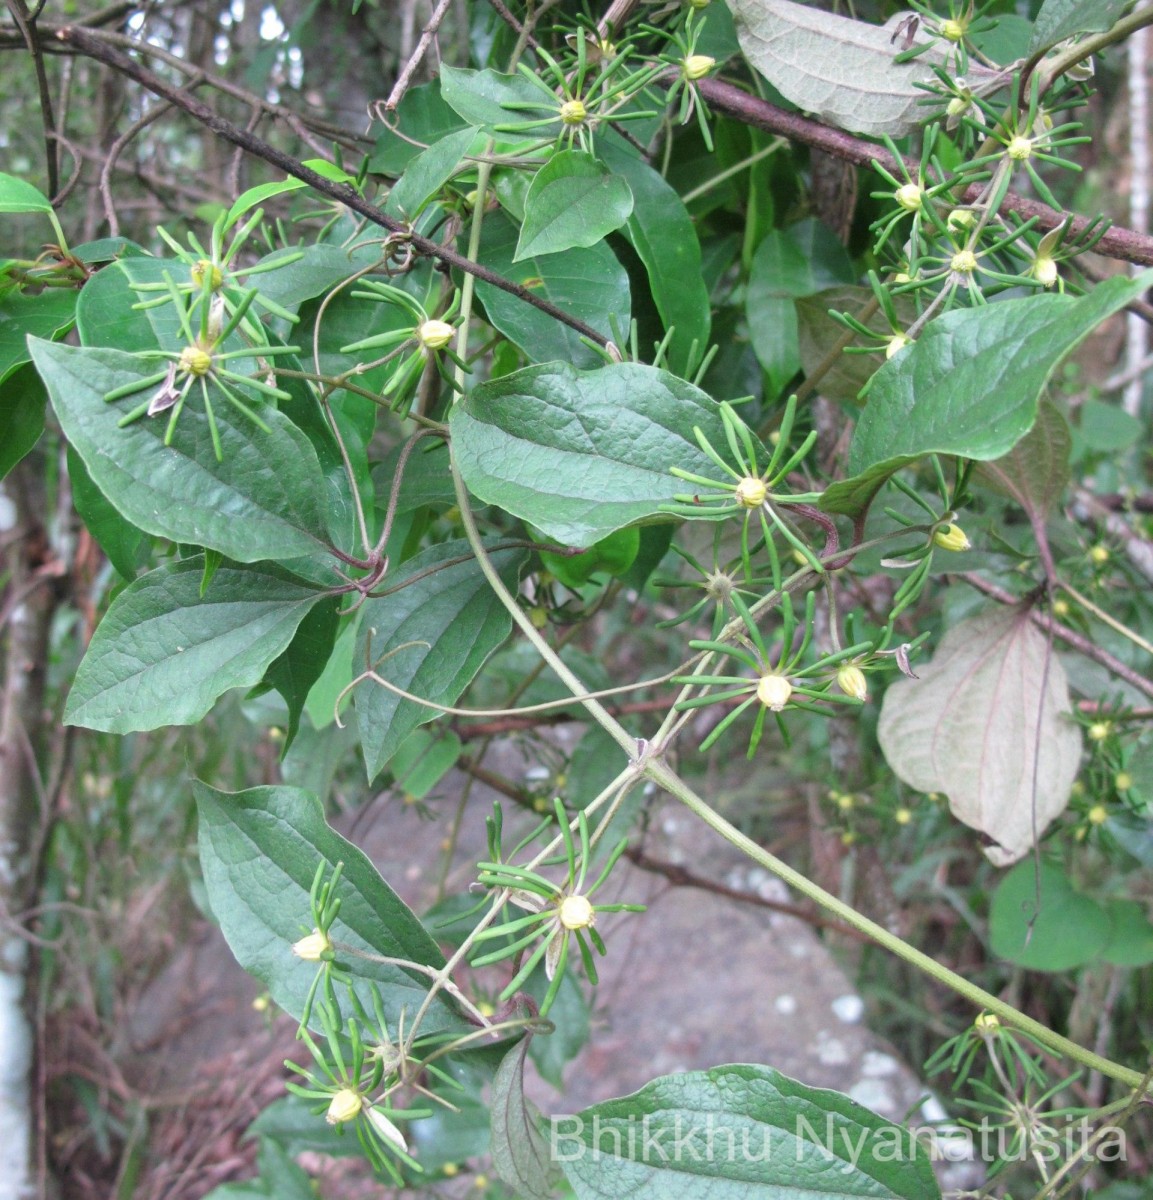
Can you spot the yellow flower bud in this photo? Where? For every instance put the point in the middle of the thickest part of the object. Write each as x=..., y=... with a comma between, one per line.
x=314, y=947
x=573, y=112
x=751, y=492
x=699, y=4
x=203, y=267
x=450, y=1169
x=964, y=262
x=1060, y=608
x=960, y=218
x=1019, y=148
x=344, y=1106
x=1044, y=270
x=910, y=197
x=953, y=31
x=896, y=344
x=1099, y=730
x=902, y=816
x=194, y=361
x=697, y=66
x=1099, y=555
x=435, y=335
x=951, y=537
x=773, y=691
x=987, y=1024
x=846, y=801
x=851, y=681
x=1098, y=814
x=576, y=912
x=1122, y=781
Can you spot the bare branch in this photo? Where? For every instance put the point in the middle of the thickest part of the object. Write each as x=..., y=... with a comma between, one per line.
x=1125, y=244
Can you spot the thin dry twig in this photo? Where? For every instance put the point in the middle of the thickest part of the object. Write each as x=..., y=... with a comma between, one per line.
x=417, y=57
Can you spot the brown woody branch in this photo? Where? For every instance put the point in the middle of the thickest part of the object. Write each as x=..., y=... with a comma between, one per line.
x=722, y=97
x=1069, y=636
x=98, y=49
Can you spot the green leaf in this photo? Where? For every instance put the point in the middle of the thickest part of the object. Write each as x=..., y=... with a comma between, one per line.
x=1036, y=470
x=437, y=632
x=48, y=315
x=22, y=401
x=303, y=661
x=573, y=201
x=106, y=316
x=423, y=761
x=480, y=96
x=300, y=279
x=162, y=655
x=1107, y=428
x=422, y=118
x=128, y=548
x=587, y=282
x=259, y=851
x=1131, y=939
x=263, y=501
x=17, y=195
x=970, y=384
x=581, y=454
x=1061, y=19
x=520, y=1151
x=740, y=1132
x=789, y=263
x=256, y=196
x=969, y=723
x=427, y=173
x=1064, y=931
x=665, y=239
x=291, y=1123
x=22, y=395
x=818, y=334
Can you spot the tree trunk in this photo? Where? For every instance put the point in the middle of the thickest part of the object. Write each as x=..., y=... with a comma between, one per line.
x=31, y=598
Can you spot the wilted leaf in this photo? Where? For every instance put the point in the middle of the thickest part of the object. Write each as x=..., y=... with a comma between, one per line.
x=840, y=70
x=970, y=725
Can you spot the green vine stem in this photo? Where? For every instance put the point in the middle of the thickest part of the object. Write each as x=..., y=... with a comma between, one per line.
x=661, y=774
x=1087, y=47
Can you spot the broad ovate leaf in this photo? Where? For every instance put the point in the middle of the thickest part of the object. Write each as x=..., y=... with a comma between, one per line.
x=988, y=724
x=430, y=638
x=735, y=1133
x=580, y=454
x=970, y=384
x=263, y=500
x=259, y=850
x=838, y=69
x=168, y=647
x=573, y=200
